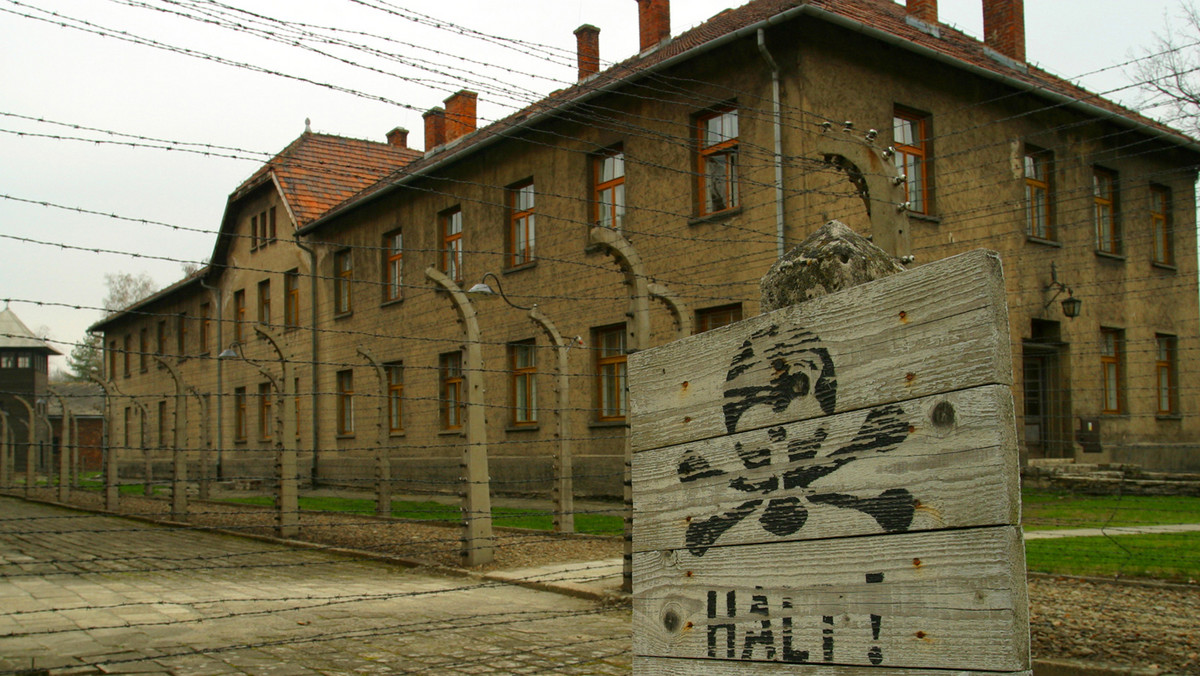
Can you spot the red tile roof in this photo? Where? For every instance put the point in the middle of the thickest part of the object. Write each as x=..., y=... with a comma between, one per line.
x=315, y=172
x=319, y=171
x=883, y=17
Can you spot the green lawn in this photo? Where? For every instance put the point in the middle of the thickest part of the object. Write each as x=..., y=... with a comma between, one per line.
x=1046, y=510
x=602, y=524
x=1164, y=556
x=90, y=484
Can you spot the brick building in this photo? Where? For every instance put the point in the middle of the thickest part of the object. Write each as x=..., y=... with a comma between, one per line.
x=681, y=173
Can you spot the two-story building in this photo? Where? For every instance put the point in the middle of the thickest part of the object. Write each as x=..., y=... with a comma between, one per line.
x=690, y=166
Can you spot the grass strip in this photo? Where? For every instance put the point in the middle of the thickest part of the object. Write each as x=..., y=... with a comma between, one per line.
x=1161, y=556
x=1051, y=510
x=597, y=524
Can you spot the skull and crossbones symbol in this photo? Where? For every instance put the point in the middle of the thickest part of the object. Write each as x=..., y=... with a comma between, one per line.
x=802, y=373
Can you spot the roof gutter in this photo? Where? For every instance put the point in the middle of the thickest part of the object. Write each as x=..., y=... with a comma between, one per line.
x=748, y=31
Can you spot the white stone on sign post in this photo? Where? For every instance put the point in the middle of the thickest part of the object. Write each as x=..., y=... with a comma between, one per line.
x=832, y=487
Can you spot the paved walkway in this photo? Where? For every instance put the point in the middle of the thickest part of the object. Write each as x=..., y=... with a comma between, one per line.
x=82, y=593
x=1111, y=530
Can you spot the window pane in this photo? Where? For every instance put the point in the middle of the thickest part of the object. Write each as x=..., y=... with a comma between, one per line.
x=605, y=207
x=1164, y=390
x=904, y=131
x=619, y=202
x=717, y=173
x=1110, y=387
x=721, y=128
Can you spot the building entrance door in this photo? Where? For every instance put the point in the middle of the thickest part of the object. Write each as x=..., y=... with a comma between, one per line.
x=1045, y=432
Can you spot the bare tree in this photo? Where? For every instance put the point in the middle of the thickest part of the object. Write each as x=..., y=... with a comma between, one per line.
x=190, y=268
x=125, y=289
x=1168, y=73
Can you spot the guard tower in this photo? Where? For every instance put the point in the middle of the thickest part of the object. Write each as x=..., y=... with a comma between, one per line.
x=25, y=373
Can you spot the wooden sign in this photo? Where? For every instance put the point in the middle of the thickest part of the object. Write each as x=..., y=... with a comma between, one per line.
x=832, y=488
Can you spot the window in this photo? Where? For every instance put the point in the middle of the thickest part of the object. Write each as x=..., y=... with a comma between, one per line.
x=711, y=318
x=910, y=134
x=1160, y=224
x=127, y=428
x=345, y=403
x=239, y=414
x=144, y=349
x=451, y=401
x=718, y=170
x=343, y=274
x=112, y=359
x=521, y=231
x=239, y=313
x=181, y=333
x=1037, y=193
x=24, y=360
x=452, y=246
x=128, y=349
x=609, y=193
x=393, y=266
x=291, y=298
x=1111, y=347
x=264, y=302
x=162, y=424
x=205, y=327
x=1104, y=198
x=523, y=362
x=610, y=372
x=1164, y=368
x=262, y=229
x=264, y=411
x=395, y=394
x=160, y=337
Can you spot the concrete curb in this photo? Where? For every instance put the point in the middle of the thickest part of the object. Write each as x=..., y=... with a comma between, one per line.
x=1082, y=668
x=1126, y=582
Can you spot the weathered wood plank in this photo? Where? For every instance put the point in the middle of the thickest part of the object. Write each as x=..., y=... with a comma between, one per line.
x=940, y=327
x=934, y=600
x=665, y=666
x=951, y=466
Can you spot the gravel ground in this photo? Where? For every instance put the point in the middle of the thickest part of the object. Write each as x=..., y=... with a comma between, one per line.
x=1096, y=621
x=1116, y=623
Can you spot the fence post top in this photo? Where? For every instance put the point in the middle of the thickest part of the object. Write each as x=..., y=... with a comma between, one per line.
x=831, y=259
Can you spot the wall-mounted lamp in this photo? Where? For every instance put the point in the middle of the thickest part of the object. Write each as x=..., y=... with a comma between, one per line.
x=234, y=351
x=483, y=291
x=1070, y=305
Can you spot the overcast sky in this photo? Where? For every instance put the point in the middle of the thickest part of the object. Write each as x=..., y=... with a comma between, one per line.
x=80, y=78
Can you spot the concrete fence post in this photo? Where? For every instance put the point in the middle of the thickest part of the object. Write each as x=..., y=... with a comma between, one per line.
x=383, y=469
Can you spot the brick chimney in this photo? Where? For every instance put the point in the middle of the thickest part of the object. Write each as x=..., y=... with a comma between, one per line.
x=435, y=127
x=398, y=137
x=587, y=38
x=1004, y=27
x=654, y=22
x=923, y=10
x=460, y=114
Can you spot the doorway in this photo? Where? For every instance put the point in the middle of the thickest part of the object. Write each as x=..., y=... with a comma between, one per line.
x=1045, y=410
